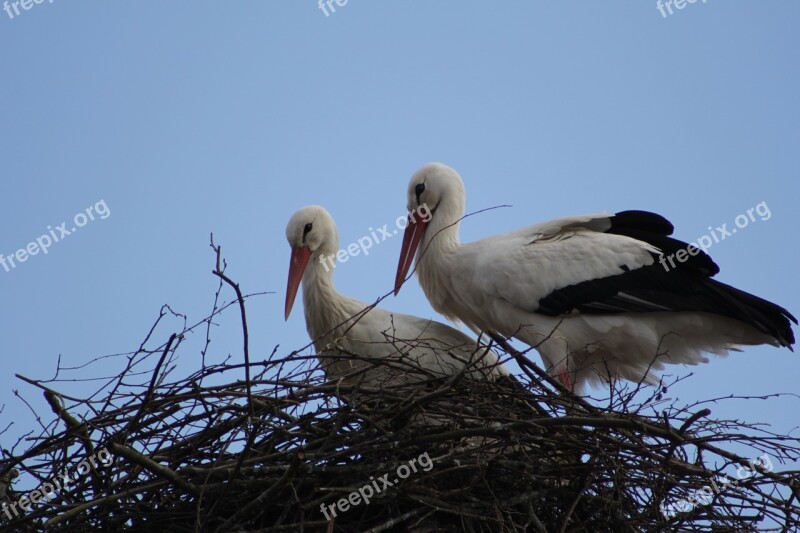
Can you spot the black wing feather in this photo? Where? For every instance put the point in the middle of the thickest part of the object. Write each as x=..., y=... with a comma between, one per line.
x=685, y=287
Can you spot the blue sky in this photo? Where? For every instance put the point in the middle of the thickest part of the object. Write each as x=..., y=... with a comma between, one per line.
x=186, y=119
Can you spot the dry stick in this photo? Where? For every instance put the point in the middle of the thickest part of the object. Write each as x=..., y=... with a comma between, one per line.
x=682, y=431
x=442, y=390
x=266, y=495
x=75, y=511
x=208, y=332
x=131, y=359
x=251, y=438
x=70, y=421
x=524, y=362
x=189, y=447
x=396, y=521
x=527, y=497
x=572, y=507
x=44, y=388
x=219, y=273
x=676, y=437
x=154, y=467
x=74, y=426
x=150, y=389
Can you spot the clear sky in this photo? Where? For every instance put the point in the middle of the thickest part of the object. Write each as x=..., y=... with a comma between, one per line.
x=177, y=119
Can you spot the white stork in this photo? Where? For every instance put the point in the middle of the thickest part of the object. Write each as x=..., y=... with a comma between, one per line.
x=352, y=339
x=588, y=292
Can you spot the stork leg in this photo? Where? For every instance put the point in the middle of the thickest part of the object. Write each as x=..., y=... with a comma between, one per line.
x=563, y=374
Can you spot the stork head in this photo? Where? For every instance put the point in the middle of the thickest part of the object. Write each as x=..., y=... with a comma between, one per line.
x=435, y=192
x=311, y=232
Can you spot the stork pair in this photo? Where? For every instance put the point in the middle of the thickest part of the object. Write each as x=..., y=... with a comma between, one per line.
x=586, y=291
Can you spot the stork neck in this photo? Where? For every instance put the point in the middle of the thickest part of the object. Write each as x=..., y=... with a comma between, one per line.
x=441, y=235
x=436, y=255
x=324, y=306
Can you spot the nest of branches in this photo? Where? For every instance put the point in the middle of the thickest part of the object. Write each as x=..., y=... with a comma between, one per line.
x=272, y=445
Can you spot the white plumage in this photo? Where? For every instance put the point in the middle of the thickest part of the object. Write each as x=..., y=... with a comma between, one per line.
x=351, y=339
x=588, y=292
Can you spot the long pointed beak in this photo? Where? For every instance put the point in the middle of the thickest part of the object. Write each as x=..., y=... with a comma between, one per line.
x=297, y=265
x=415, y=229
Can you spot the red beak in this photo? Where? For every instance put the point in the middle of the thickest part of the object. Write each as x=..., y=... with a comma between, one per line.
x=297, y=265
x=415, y=229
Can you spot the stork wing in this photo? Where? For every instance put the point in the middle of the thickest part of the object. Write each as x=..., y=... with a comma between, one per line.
x=409, y=343
x=610, y=264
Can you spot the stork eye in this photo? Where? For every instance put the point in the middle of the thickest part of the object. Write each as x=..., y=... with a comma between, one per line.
x=306, y=229
x=419, y=189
